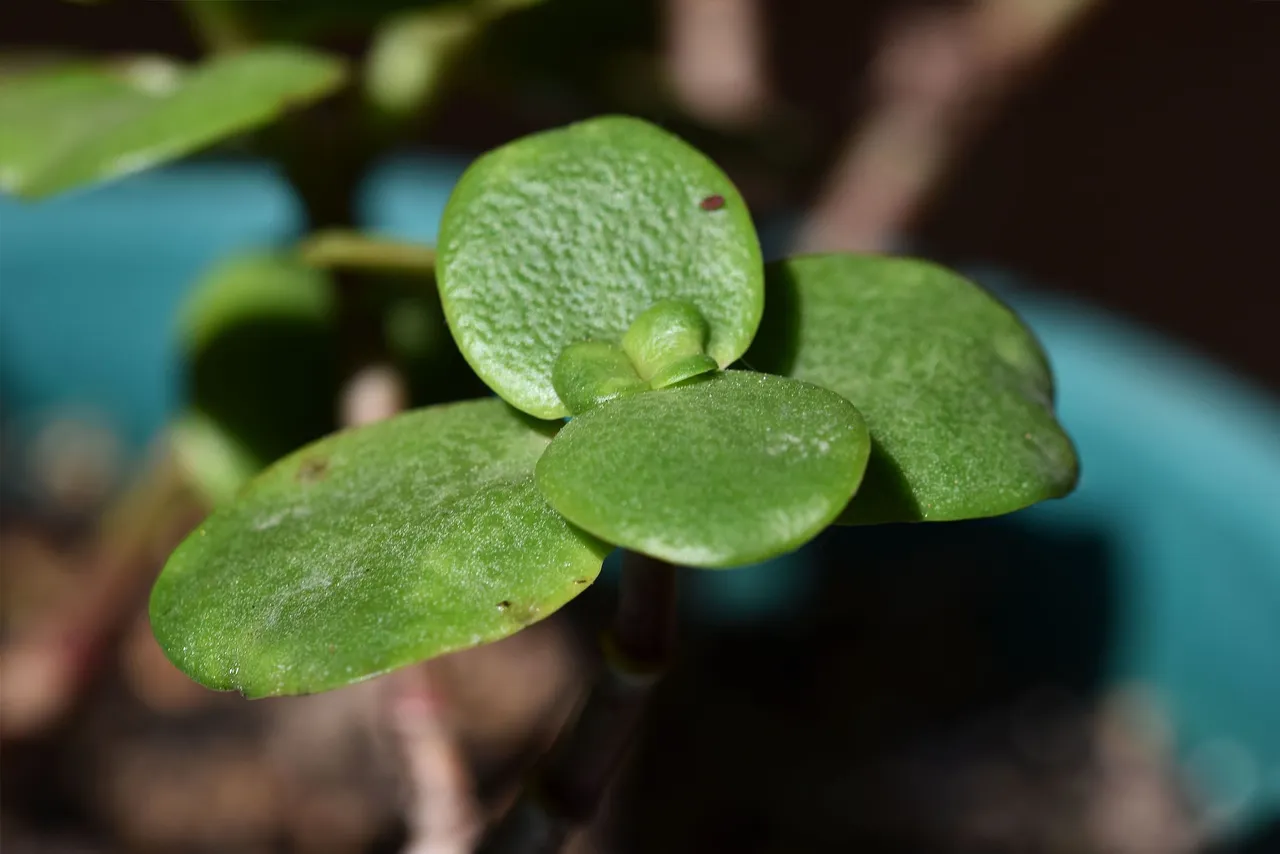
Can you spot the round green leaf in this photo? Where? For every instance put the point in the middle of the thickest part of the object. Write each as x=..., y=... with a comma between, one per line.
x=957, y=393
x=729, y=469
x=663, y=334
x=593, y=372
x=61, y=129
x=260, y=340
x=569, y=235
x=372, y=549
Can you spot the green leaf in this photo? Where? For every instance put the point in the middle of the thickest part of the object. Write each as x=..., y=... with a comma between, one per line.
x=957, y=393
x=372, y=549
x=61, y=129
x=45, y=112
x=569, y=235
x=728, y=469
x=664, y=333
x=413, y=52
x=211, y=457
x=594, y=372
x=260, y=339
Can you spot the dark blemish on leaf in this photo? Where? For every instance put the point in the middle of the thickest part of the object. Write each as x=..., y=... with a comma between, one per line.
x=504, y=605
x=579, y=581
x=312, y=470
x=712, y=203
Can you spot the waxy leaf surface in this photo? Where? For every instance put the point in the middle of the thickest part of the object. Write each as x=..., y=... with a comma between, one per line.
x=372, y=549
x=956, y=391
x=569, y=235
x=729, y=469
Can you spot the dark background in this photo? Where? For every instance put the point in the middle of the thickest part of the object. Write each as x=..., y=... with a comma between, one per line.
x=1140, y=170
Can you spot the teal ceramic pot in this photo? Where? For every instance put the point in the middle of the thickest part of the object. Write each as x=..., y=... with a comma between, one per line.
x=90, y=283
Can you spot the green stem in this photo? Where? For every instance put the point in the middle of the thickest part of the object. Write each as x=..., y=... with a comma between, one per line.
x=325, y=153
x=342, y=249
x=570, y=785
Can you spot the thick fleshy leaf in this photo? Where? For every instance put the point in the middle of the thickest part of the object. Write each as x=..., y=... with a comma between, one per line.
x=260, y=340
x=412, y=53
x=592, y=373
x=372, y=549
x=569, y=235
x=729, y=469
x=46, y=111
x=64, y=128
x=957, y=393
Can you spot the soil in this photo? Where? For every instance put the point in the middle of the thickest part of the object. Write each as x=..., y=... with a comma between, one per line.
x=887, y=715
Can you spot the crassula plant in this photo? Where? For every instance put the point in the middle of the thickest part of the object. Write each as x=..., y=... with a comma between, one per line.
x=657, y=388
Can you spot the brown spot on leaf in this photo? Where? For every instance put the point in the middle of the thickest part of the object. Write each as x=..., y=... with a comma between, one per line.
x=579, y=581
x=312, y=470
x=504, y=605
x=712, y=203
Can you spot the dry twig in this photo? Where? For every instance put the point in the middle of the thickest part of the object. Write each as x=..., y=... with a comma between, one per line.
x=940, y=75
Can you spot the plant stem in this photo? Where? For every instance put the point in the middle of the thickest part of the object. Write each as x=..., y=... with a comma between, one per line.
x=570, y=785
x=342, y=249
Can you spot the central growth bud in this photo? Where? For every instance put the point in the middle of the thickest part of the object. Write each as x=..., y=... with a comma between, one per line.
x=665, y=345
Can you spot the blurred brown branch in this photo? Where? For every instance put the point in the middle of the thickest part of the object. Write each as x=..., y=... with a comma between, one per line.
x=715, y=55
x=939, y=76
x=48, y=667
x=443, y=817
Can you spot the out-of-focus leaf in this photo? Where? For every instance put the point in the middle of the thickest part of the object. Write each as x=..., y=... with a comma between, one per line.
x=260, y=339
x=68, y=127
x=412, y=53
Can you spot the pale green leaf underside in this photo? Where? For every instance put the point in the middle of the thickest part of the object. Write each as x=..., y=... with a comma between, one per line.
x=373, y=549
x=260, y=345
x=956, y=391
x=64, y=128
x=729, y=469
x=568, y=235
